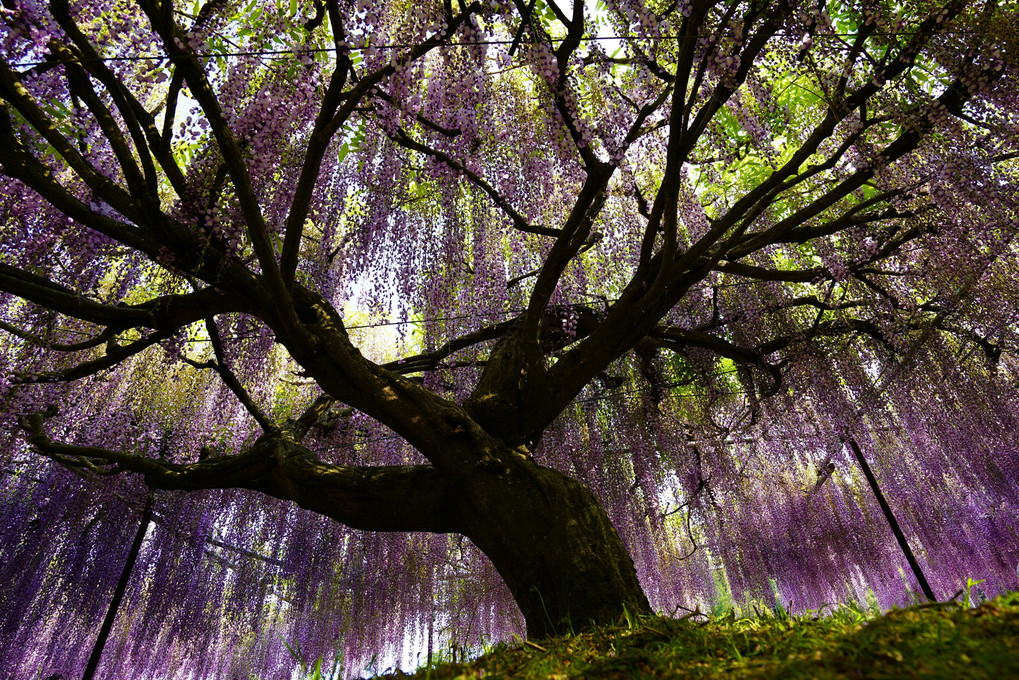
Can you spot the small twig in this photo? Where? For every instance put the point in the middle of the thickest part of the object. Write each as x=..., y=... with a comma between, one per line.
x=519, y=221
x=523, y=24
x=228, y=376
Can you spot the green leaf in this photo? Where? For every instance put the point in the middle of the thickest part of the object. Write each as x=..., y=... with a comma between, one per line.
x=354, y=140
x=295, y=653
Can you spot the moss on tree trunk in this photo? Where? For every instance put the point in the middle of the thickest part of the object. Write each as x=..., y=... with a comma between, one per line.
x=554, y=545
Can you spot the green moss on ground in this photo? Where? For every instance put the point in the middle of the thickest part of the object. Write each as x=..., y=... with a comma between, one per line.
x=939, y=640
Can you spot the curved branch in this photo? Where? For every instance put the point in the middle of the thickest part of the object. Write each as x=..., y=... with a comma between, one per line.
x=751, y=271
x=383, y=498
x=683, y=136
x=229, y=378
x=831, y=329
x=19, y=163
x=79, y=84
x=427, y=122
x=752, y=203
x=39, y=341
x=88, y=60
x=165, y=313
x=951, y=100
x=190, y=252
x=22, y=100
x=114, y=355
x=141, y=124
x=519, y=221
x=429, y=360
x=330, y=117
x=201, y=89
x=673, y=338
x=42, y=291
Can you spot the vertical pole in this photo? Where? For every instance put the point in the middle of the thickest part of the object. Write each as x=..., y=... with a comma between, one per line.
x=892, y=522
x=431, y=624
x=118, y=592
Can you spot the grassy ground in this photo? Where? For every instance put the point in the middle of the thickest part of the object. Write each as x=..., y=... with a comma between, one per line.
x=938, y=640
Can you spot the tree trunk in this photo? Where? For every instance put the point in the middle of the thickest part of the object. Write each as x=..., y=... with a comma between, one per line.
x=553, y=544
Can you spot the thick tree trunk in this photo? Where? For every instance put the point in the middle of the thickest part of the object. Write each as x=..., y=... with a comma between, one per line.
x=545, y=533
x=553, y=544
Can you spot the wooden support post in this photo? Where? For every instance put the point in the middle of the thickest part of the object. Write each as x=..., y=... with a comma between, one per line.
x=118, y=592
x=893, y=523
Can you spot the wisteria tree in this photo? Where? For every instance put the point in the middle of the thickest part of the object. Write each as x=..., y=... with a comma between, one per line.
x=203, y=203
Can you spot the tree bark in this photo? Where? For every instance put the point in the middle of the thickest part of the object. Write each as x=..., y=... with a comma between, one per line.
x=555, y=547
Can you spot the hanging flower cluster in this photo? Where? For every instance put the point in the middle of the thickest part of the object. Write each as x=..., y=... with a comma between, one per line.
x=836, y=192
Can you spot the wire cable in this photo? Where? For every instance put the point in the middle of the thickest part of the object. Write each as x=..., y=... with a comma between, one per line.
x=396, y=46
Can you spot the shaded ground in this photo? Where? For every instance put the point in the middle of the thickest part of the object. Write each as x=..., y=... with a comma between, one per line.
x=940, y=640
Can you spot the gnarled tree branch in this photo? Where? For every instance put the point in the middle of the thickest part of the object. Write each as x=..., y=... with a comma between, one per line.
x=383, y=498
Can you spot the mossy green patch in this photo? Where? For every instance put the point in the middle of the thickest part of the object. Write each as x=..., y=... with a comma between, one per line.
x=938, y=640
